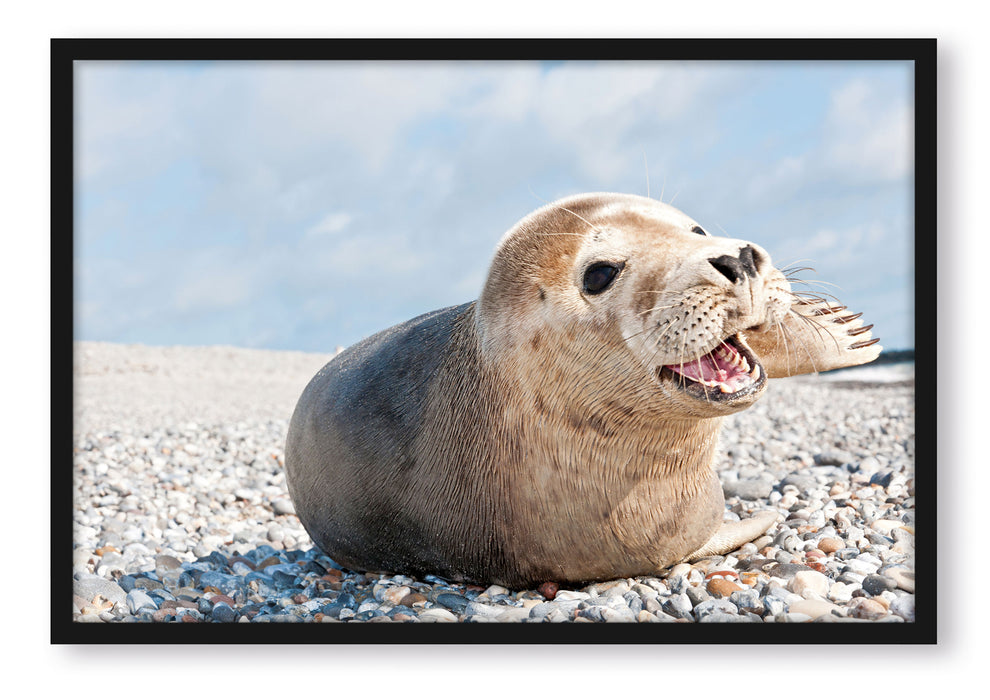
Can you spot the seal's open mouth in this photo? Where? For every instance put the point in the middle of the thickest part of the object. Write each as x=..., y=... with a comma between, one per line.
x=727, y=372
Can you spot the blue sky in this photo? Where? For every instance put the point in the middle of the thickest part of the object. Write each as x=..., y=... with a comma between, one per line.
x=301, y=206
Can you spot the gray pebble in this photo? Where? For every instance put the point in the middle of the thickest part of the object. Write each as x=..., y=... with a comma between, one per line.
x=804, y=482
x=677, y=584
x=453, y=601
x=138, y=599
x=747, y=598
x=863, y=568
x=875, y=584
x=715, y=605
x=903, y=606
x=718, y=616
x=618, y=615
x=678, y=605
x=88, y=587
x=748, y=489
x=697, y=594
x=833, y=457
x=223, y=613
x=283, y=506
x=485, y=610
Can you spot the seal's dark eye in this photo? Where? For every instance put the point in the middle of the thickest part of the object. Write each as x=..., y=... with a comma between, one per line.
x=599, y=276
x=700, y=231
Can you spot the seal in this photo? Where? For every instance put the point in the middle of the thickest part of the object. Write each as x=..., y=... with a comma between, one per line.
x=563, y=426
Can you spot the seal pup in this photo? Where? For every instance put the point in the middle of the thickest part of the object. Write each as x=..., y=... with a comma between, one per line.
x=562, y=427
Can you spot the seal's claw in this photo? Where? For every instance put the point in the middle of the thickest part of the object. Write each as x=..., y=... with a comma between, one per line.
x=731, y=536
x=815, y=336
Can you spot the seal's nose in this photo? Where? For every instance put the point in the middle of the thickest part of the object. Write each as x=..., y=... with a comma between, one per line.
x=736, y=268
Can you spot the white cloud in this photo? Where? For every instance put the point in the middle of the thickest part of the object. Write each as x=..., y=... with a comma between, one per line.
x=870, y=133
x=332, y=223
x=217, y=289
x=784, y=177
x=126, y=118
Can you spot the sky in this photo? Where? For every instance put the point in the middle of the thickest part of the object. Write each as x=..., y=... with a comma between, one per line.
x=306, y=205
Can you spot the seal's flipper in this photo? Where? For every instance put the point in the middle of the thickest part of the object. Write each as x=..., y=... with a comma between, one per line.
x=814, y=337
x=733, y=535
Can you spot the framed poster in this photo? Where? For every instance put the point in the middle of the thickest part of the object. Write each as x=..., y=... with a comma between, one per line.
x=234, y=214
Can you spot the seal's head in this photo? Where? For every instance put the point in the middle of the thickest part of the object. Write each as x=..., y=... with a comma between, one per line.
x=639, y=287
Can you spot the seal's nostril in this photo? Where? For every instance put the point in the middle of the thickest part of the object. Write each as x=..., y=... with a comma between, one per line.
x=734, y=269
x=730, y=267
x=747, y=256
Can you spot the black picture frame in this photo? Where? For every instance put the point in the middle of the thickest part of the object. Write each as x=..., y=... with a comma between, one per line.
x=65, y=51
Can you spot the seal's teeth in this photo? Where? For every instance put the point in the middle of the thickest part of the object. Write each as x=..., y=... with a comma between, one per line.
x=755, y=374
x=739, y=362
x=725, y=389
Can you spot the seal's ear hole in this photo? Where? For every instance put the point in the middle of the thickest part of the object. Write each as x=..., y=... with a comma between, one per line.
x=598, y=276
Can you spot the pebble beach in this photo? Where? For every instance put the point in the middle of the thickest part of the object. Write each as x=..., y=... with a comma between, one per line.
x=181, y=512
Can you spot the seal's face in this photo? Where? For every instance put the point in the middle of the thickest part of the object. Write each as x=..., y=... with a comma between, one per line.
x=651, y=282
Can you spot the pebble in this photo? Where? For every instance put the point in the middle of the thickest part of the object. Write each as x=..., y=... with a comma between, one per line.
x=283, y=506
x=452, y=601
x=866, y=609
x=222, y=612
x=904, y=579
x=437, y=615
x=748, y=489
x=810, y=584
x=714, y=605
x=513, y=615
x=88, y=587
x=722, y=588
x=178, y=520
x=830, y=544
x=138, y=599
x=874, y=584
x=813, y=608
x=903, y=607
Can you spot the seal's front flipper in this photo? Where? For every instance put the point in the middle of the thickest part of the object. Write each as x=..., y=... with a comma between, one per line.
x=814, y=336
x=733, y=535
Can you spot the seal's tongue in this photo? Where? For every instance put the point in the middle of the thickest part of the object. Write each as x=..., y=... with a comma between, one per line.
x=724, y=368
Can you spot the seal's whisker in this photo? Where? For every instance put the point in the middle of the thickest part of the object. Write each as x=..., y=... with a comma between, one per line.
x=787, y=333
x=657, y=348
x=638, y=333
x=813, y=282
x=783, y=268
x=646, y=164
x=820, y=328
x=791, y=271
x=804, y=346
x=660, y=291
x=660, y=332
x=683, y=353
x=782, y=334
x=659, y=308
x=563, y=208
x=703, y=385
x=572, y=213
x=808, y=297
